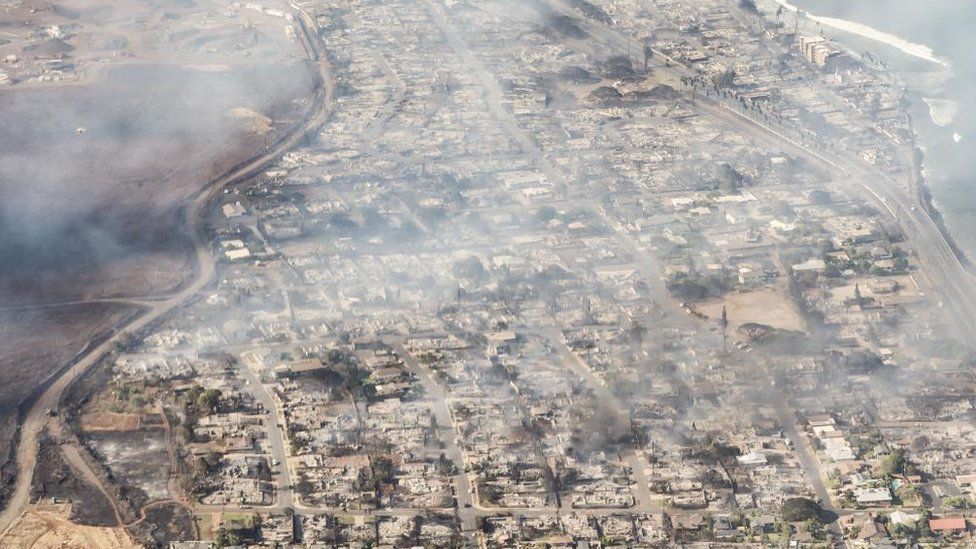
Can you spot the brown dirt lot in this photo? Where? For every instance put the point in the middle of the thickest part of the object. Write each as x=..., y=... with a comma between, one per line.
x=48, y=527
x=768, y=306
x=110, y=421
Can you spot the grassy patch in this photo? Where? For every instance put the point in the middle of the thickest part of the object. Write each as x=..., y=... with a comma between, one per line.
x=237, y=521
x=204, y=526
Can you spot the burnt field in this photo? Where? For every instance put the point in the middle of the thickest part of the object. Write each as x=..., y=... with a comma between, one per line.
x=95, y=173
x=138, y=461
x=55, y=479
x=96, y=214
x=92, y=177
x=36, y=344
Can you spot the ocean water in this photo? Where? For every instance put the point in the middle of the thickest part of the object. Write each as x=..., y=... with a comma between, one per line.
x=930, y=44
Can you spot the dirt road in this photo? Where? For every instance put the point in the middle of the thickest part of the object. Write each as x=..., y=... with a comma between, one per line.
x=194, y=211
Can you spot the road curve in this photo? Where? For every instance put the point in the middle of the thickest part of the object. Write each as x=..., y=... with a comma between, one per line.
x=194, y=212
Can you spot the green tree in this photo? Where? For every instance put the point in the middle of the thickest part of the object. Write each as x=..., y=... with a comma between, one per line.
x=208, y=400
x=800, y=509
x=815, y=528
x=894, y=464
x=834, y=480
x=955, y=502
x=227, y=538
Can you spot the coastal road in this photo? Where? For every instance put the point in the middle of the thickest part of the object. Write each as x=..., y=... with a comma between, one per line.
x=946, y=274
x=948, y=278
x=194, y=212
x=951, y=283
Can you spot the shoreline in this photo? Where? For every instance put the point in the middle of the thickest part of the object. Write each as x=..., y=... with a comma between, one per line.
x=942, y=112
x=920, y=103
x=926, y=198
x=924, y=194
x=919, y=51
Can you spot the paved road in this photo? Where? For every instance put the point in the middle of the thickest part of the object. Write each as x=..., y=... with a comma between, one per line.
x=194, y=212
x=37, y=416
x=494, y=97
x=644, y=500
x=811, y=466
x=448, y=433
x=284, y=494
x=940, y=265
x=415, y=512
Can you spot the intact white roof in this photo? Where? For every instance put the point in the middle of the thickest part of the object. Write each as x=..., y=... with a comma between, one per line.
x=901, y=517
x=752, y=458
x=872, y=495
x=838, y=449
x=233, y=210
x=238, y=253
x=810, y=265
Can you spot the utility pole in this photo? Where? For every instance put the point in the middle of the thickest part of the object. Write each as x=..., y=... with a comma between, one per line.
x=725, y=329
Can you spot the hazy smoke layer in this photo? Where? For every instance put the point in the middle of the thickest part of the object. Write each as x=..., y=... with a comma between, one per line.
x=88, y=171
